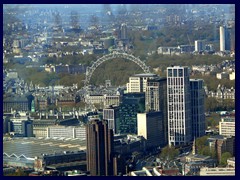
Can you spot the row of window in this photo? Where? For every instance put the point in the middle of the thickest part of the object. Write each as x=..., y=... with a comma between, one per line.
x=177, y=72
x=176, y=81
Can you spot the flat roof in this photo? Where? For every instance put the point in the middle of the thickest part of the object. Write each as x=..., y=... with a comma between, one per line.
x=32, y=147
x=144, y=75
x=68, y=164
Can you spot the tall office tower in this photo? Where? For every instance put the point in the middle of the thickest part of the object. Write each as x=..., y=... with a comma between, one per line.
x=197, y=101
x=222, y=38
x=225, y=39
x=156, y=100
x=179, y=106
x=138, y=82
x=233, y=38
x=150, y=126
x=111, y=114
x=118, y=164
x=132, y=103
x=99, y=148
x=199, y=46
x=123, y=32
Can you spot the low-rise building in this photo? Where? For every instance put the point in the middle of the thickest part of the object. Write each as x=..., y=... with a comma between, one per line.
x=232, y=76
x=112, y=100
x=46, y=161
x=127, y=144
x=143, y=172
x=193, y=167
x=166, y=171
x=227, y=126
x=205, y=171
x=221, y=144
x=222, y=75
x=66, y=132
x=231, y=162
x=169, y=50
x=20, y=103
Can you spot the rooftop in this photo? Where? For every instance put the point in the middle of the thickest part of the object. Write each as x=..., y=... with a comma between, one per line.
x=32, y=147
x=145, y=75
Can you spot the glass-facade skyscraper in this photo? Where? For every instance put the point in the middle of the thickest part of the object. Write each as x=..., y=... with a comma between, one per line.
x=132, y=104
x=197, y=105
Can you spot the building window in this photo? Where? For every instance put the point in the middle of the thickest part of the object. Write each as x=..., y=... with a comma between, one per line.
x=169, y=72
x=180, y=72
x=175, y=72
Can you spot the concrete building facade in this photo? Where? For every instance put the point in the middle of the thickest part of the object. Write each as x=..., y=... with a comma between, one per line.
x=205, y=171
x=221, y=144
x=227, y=126
x=66, y=132
x=99, y=148
x=111, y=114
x=156, y=100
x=179, y=106
x=199, y=46
x=225, y=41
x=138, y=82
x=150, y=126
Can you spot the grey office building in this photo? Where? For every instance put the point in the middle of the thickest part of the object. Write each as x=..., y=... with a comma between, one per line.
x=197, y=105
x=156, y=100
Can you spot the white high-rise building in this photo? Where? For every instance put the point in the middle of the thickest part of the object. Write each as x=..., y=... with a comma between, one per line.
x=199, y=46
x=179, y=106
x=197, y=105
x=225, y=38
x=222, y=38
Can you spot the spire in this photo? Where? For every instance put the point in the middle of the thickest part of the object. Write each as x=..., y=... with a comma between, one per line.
x=194, y=148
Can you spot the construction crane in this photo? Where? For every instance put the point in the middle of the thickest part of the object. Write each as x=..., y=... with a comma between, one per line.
x=189, y=40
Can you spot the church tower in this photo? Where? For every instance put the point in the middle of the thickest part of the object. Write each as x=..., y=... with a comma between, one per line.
x=194, y=147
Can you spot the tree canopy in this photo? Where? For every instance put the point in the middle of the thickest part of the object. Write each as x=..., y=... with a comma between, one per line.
x=203, y=147
x=224, y=158
x=169, y=153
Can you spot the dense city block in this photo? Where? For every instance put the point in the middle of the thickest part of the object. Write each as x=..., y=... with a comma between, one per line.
x=119, y=90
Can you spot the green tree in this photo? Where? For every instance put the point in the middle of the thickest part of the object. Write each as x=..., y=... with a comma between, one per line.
x=169, y=153
x=18, y=172
x=213, y=153
x=211, y=104
x=206, y=151
x=201, y=143
x=51, y=79
x=228, y=104
x=51, y=107
x=203, y=147
x=224, y=158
